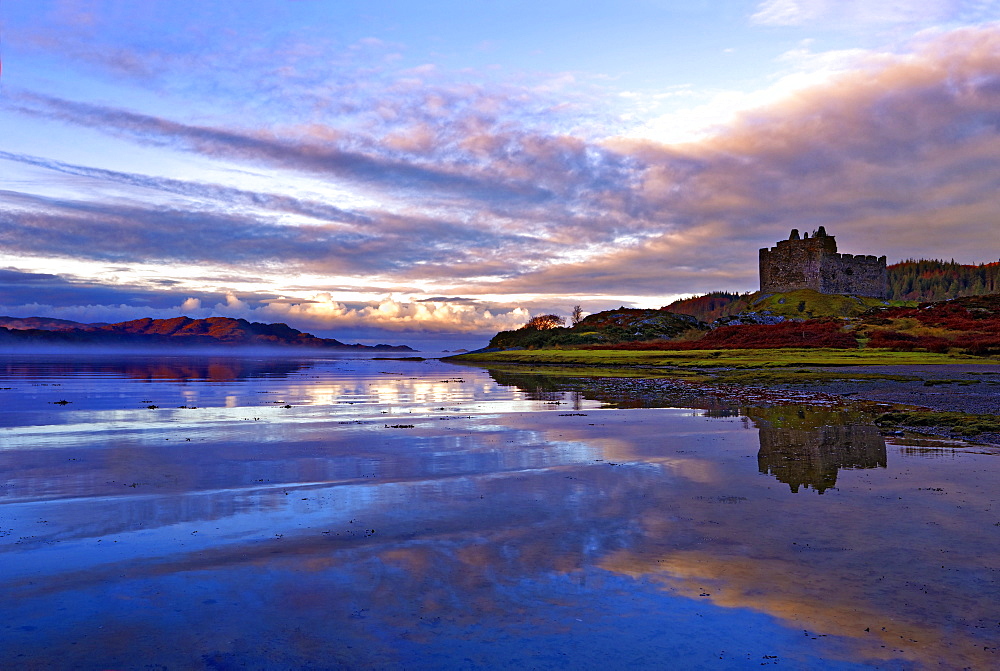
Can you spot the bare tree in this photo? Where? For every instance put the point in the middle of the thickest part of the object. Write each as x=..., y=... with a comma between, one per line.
x=576, y=315
x=543, y=322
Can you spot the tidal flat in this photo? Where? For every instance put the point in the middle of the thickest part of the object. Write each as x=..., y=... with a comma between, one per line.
x=177, y=512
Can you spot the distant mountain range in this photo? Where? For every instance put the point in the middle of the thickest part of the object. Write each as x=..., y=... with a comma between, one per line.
x=178, y=331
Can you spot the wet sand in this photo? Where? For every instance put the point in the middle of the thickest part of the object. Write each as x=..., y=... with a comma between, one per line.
x=973, y=388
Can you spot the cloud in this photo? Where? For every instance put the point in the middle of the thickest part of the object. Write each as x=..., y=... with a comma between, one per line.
x=24, y=291
x=784, y=12
x=848, y=13
x=397, y=315
x=895, y=154
x=547, y=186
x=114, y=232
x=486, y=226
x=447, y=299
x=321, y=158
x=199, y=190
x=24, y=294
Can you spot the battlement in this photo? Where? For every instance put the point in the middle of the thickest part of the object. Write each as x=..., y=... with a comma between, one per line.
x=814, y=263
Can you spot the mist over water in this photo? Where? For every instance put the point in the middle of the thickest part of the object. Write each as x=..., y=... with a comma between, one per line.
x=347, y=512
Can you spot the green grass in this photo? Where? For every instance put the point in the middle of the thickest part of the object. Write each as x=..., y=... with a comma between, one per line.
x=961, y=423
x=806, y=303
x=582, y=370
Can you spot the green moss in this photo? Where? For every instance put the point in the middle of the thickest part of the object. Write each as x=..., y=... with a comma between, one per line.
x=804, y=418
x=961, y=423
x=555, y=370
x=808, y=303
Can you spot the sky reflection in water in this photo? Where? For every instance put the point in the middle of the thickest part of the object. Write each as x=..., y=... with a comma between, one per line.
x=419, y=515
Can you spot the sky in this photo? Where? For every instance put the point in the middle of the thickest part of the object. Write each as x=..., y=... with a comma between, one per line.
x=429, y=173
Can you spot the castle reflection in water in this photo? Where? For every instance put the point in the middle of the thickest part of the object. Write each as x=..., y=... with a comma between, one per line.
x=800, y=446
x=805, y=447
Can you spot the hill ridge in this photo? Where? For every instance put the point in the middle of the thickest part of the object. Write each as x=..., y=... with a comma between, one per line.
x=174, y=331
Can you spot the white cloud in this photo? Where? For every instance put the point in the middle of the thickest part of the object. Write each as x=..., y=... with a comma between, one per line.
x=321, y=313
x=696, y=117
x=784, y=12
x=393, y=315
x=859, y=13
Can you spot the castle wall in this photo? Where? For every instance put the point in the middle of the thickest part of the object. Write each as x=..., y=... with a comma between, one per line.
x=795, y=264
x=813, y=263
x=856, y=275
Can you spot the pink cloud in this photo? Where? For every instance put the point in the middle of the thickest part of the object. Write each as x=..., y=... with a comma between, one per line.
x=900, y=156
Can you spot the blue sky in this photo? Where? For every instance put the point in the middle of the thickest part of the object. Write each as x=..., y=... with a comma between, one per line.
x=437, y=171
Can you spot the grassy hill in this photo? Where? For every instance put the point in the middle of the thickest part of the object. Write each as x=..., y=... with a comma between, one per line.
x=969, y=325
x=802, y=304
x=809, y=304
x=607, y=327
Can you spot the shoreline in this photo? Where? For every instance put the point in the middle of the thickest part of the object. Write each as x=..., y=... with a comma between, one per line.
x=960, y=395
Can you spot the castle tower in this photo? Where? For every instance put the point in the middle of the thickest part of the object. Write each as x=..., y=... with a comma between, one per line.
x=813, y=263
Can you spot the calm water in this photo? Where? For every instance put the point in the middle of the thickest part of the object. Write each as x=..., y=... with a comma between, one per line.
x=351, y=513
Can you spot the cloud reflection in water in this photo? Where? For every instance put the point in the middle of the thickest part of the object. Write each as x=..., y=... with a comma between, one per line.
x=501, y=528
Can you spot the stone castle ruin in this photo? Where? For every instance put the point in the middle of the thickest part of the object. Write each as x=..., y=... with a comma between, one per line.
x=813, y=263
